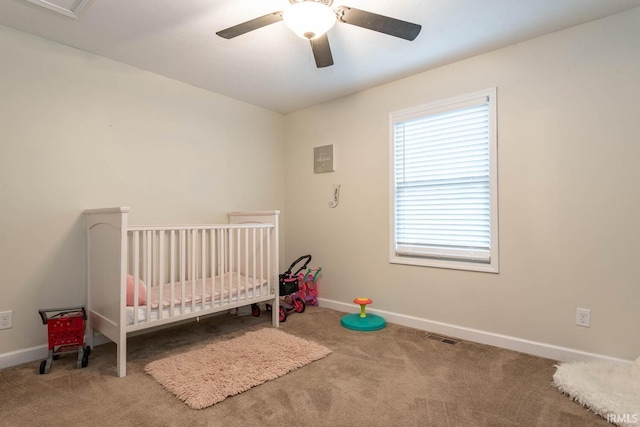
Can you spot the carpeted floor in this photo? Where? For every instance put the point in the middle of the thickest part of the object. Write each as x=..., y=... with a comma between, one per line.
x=397, y=376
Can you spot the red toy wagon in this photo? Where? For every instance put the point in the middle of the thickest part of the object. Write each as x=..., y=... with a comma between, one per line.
x=66, y=335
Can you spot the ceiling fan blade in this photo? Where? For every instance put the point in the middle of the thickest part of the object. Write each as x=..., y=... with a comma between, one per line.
x=382, y=24
x=254, y=24
x=322, y=51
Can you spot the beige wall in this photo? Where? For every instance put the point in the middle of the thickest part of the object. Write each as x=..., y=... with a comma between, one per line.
x=79, y=131
x=569, y=147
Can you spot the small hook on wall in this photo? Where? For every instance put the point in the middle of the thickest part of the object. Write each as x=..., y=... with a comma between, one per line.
x=336, y=196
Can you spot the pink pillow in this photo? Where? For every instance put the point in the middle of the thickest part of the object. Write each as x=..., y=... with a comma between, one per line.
x=142, y=291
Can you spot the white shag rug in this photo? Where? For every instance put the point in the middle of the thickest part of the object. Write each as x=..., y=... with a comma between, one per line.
x=610, y=391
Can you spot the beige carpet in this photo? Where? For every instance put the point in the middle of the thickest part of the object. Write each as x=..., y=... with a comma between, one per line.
x=397, y=376
x=206, y=376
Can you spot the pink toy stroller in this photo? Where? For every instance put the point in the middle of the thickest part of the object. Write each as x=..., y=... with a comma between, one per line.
x=290, y=285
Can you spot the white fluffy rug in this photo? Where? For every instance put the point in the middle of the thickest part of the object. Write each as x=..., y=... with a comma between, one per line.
x=610, y=391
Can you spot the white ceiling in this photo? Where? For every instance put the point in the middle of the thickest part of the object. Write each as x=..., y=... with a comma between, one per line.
x=271, y=67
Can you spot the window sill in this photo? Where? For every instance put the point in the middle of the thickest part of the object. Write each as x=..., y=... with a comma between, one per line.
x=443, y=263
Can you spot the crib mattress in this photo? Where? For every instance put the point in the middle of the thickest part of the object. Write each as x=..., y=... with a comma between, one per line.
x=226, y=289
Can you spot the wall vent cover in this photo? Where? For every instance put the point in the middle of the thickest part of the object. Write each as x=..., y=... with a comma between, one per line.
x=442, y=339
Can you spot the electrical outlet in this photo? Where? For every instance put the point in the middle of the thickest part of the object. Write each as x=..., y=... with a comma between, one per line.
x=583, y=317
x=6, y=319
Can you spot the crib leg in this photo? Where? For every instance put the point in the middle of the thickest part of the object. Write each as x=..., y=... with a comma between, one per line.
x=275, y=313
x=121, y=350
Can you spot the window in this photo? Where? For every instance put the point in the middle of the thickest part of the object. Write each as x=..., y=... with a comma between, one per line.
x=444, y=184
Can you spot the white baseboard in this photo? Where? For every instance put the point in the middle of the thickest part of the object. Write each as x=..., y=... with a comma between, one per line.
x=33, y=354
x=548, y=351
x=23, y=356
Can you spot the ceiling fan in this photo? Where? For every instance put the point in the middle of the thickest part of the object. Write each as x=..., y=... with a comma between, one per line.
x=311, y=19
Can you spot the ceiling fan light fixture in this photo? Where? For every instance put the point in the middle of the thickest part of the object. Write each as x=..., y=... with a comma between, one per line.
x=309, y=19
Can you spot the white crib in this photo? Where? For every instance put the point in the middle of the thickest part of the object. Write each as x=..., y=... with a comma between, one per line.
x=142, y=277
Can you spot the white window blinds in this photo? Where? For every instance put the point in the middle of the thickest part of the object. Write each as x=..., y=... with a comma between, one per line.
x=442, y=172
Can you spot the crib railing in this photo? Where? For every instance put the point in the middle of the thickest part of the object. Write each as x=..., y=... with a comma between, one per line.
x=187, y=259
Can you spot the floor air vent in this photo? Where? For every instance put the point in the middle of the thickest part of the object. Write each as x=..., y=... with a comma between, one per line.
x=442, y=339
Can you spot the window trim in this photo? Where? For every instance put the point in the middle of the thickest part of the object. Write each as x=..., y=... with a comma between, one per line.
x=432, y=108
